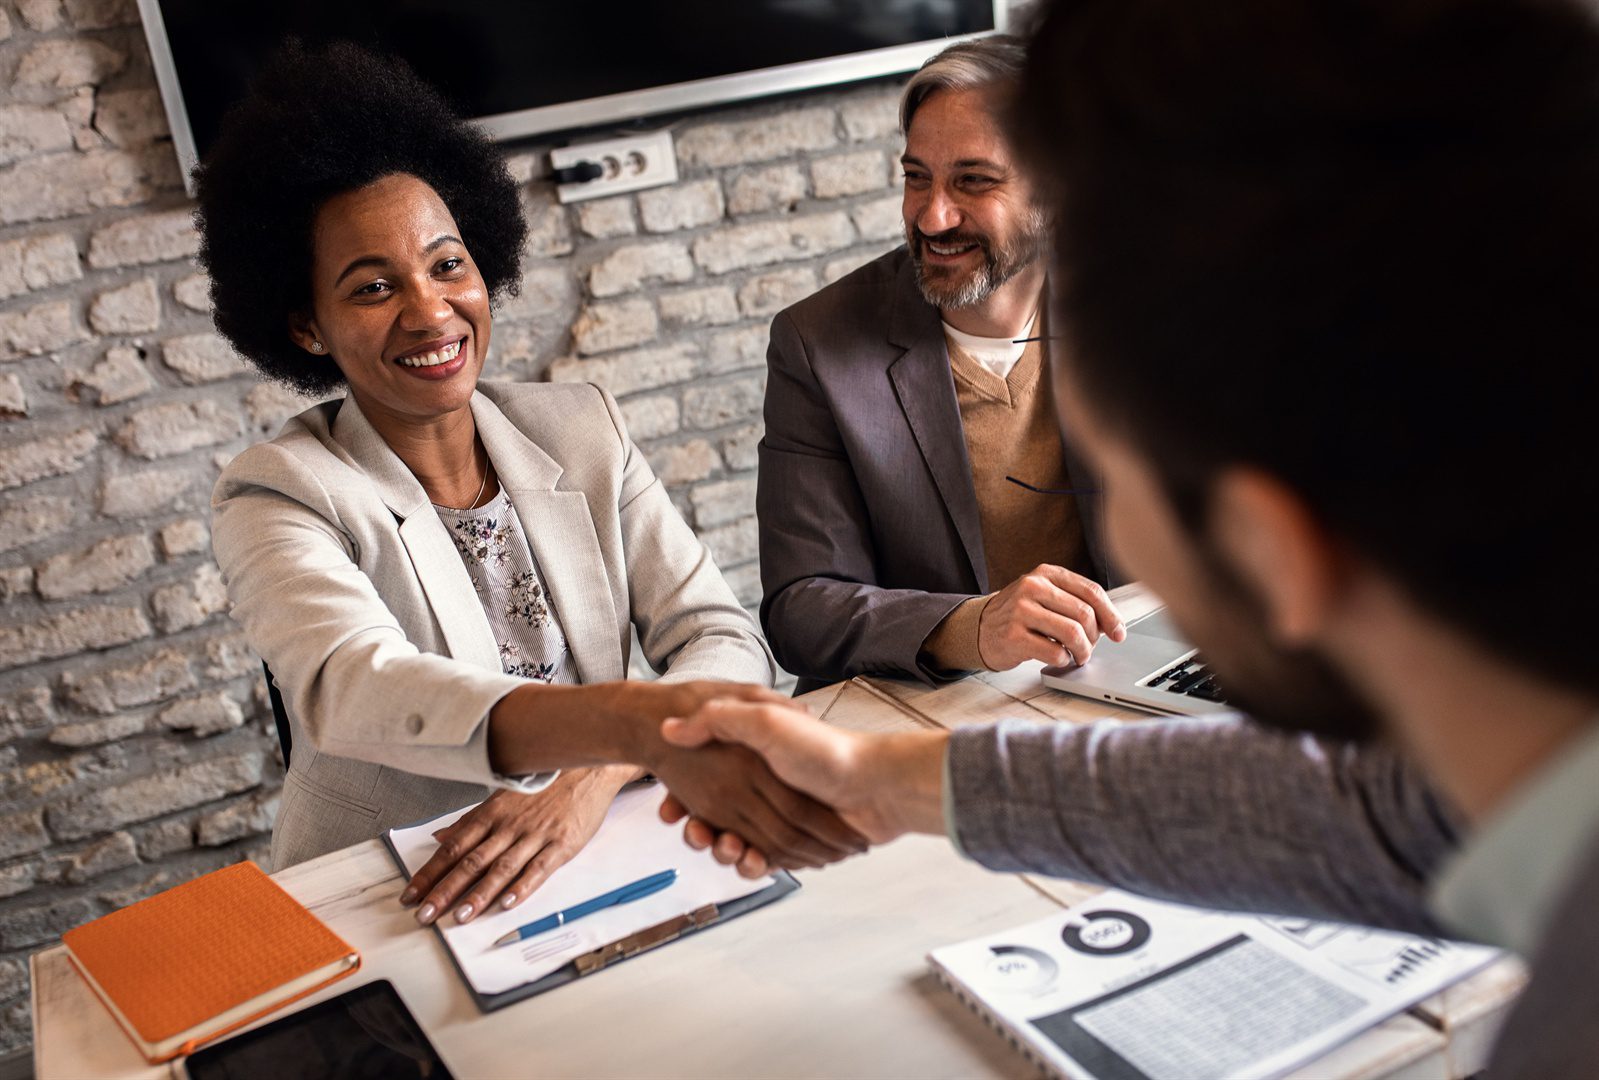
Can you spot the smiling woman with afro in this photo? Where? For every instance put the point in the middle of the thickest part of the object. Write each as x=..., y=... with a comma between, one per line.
x=317, y=124
x=445, y=577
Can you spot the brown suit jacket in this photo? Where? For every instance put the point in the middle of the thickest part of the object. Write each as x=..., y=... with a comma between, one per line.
x=869, y=525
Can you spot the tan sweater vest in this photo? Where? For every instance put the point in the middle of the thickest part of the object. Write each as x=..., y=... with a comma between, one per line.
x=1010, y=429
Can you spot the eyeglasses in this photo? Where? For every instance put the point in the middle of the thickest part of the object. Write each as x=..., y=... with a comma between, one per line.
x=1053, y=491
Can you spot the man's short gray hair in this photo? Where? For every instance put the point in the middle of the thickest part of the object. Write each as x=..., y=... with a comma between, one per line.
x=965, y=65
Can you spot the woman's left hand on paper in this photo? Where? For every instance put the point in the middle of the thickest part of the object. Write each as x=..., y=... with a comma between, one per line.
x=499, y=852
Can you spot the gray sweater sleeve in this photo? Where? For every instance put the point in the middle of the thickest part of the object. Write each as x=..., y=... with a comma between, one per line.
x=1218, y=813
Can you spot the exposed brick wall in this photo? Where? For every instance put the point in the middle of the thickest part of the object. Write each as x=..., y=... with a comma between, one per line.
x=135, y=745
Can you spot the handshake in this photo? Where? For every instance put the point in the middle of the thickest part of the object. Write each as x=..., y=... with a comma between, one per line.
x=757, y=780
x=763, y=784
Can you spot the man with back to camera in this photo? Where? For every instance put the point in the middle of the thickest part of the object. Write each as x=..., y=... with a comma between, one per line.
x=912, y=461
x=1352, y=455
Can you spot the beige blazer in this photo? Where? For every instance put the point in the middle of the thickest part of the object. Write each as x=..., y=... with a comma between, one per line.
x=348, y=584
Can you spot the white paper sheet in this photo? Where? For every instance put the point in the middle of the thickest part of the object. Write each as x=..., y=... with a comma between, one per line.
x=1120, y=986
x=632, y=843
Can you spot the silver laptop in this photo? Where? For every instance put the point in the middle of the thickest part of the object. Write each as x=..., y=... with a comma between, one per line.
x=1154, y=670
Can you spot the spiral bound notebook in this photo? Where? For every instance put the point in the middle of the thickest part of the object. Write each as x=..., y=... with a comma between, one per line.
x=1124, y=988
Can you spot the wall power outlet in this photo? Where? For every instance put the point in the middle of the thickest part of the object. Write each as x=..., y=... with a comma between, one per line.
x=626, y=164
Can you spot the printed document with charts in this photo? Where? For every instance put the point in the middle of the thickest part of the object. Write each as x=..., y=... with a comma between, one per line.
x=632, y=843
x=1124, y=988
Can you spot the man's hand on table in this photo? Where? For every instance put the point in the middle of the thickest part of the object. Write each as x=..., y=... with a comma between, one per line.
x=882, y=785
x=1048, y=614
x=499, y=852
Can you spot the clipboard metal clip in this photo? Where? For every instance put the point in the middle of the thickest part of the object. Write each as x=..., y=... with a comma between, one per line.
x=646, y=939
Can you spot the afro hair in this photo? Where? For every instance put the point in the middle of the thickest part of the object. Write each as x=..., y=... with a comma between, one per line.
x=319, y=122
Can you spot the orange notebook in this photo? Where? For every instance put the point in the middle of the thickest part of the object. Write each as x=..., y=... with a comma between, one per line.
x=197, y=961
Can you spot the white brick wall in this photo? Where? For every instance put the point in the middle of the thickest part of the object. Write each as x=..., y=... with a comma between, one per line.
x=135, y=742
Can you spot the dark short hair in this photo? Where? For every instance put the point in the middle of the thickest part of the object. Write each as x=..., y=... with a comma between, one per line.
x=317, y=123
x=1354, y=243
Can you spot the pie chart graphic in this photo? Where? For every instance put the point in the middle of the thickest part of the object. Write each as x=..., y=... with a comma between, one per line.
x=1105, y=933
x=1019, y=968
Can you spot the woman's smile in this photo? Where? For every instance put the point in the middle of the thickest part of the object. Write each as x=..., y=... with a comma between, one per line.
x=435, y=361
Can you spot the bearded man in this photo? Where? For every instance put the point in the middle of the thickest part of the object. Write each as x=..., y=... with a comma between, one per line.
x=919, y=514
x=1327, y=268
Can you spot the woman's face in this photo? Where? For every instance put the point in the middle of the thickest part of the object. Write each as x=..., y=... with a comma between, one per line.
x=397, y=302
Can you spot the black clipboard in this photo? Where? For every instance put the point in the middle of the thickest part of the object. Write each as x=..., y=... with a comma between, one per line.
x=710, y=915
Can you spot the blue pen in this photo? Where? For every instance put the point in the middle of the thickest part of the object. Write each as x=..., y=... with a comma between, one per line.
x=638, y=890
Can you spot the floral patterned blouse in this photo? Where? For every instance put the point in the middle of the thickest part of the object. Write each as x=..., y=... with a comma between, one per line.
x=500, y=563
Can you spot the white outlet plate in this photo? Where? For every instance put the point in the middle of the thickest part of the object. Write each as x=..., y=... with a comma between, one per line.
x=631, y=163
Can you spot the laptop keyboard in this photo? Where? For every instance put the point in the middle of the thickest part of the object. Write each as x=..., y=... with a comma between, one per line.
x=1190, y=677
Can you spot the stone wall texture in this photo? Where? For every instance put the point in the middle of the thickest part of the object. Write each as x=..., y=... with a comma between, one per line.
x=136, y=745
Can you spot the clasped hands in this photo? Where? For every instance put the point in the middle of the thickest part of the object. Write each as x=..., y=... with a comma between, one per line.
x=500, y=852
x=881, y=785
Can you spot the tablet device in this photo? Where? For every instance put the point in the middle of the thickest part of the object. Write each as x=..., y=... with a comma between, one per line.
x=365, y=1032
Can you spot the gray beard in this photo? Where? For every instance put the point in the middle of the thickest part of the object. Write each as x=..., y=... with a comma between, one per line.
x=998, y=266
x=977, y=287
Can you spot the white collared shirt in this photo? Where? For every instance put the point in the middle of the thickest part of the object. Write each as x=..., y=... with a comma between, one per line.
x=998, y=355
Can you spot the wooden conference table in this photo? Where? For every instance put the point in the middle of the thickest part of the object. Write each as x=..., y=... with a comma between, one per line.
x=830, y=982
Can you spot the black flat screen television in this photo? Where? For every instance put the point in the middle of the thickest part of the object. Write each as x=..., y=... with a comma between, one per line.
x=526, y=68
